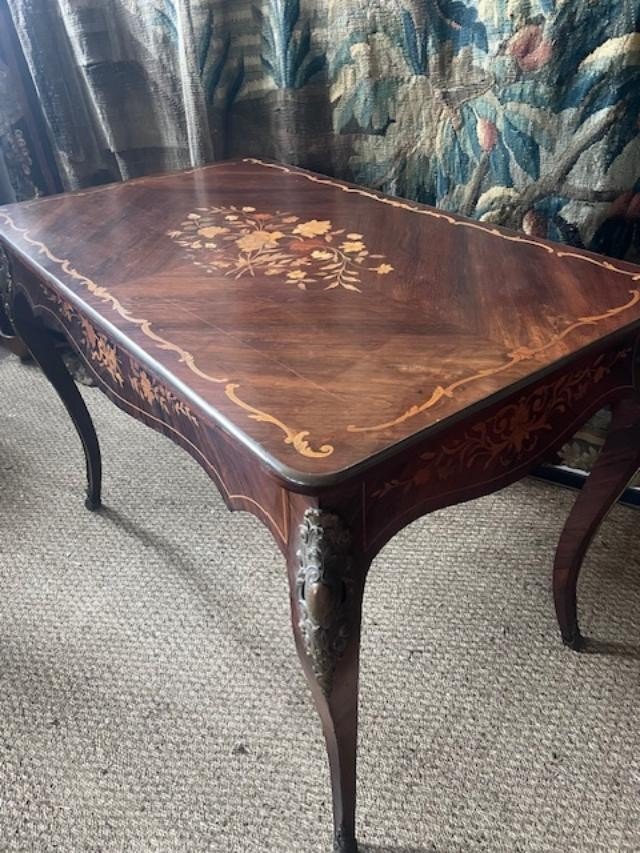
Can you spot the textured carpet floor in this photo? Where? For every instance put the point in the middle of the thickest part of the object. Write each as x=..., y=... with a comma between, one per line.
x=150, y=697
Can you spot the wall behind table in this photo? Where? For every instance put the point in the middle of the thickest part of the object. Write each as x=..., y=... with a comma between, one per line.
x=519, y=112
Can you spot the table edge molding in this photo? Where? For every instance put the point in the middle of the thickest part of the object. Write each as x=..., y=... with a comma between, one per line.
x=162, y=425
x=298, y=439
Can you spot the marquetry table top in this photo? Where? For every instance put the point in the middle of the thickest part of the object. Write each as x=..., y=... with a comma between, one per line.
x=320, y=323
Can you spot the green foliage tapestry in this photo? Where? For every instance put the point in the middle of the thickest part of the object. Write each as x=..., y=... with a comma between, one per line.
x=522, y=112
x=518, y=112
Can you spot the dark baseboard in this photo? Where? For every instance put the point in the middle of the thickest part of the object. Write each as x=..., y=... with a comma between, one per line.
x=572, y=479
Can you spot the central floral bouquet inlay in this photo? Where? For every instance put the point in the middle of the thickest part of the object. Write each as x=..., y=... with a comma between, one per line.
x=240, y=241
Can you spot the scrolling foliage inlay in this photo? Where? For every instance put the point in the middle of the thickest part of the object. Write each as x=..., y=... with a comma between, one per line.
x=517, y=429
x=105, y=356
x=323, y=582
x=299, y=439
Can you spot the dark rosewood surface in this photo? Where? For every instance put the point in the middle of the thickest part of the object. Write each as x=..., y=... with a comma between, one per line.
x=339, y=363
x=322, y=323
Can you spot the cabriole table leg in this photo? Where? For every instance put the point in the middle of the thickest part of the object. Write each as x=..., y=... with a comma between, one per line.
x=327, y=582
x=618, y=461
x=36, y=337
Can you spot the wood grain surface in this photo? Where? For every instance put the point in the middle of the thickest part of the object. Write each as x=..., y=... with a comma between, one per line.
x=321, y=324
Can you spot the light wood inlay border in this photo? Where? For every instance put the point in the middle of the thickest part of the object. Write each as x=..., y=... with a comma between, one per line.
x=127, y=404
x=297, y=439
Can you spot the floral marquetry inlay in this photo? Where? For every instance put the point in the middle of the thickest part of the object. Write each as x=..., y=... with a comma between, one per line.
x=516, y=430
x=104, y=355
x=241, y=241
x=100, y=350
x=152, y=392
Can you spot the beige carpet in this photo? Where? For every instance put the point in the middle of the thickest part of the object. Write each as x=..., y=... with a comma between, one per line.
x=150, y=698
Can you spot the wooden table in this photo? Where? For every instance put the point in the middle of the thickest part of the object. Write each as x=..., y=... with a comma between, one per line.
x=339, y=362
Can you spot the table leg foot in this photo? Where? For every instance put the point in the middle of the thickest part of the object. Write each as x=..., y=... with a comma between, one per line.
x=618, y=461
x=44, y=351
x=344, y=842
x=574, y=640
x=327, y=584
